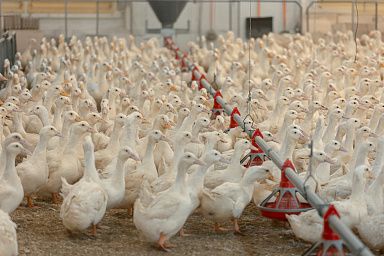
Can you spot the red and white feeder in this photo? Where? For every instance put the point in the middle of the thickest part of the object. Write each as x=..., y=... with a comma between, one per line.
x=286, y=201
x=330, y=244
x=217, y=109
x=254, y=157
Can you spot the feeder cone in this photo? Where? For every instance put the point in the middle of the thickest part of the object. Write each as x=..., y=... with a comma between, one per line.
x=256, y=157
x=330, y=244
x=193, y=73
x=286, y=201
x=217, y=109
x=233, y=122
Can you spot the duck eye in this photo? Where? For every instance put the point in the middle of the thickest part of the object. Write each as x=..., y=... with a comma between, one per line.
x=82, y=124
x=71, y=114
x=321, y=154
x=17, y=146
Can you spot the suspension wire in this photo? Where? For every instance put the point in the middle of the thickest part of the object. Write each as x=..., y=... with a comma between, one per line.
x=249, y=97
x=310, y=170
x=356, y=28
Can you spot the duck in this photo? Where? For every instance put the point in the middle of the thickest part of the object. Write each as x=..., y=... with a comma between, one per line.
x=146, y=170
x=33, y=172
x=67, y=164
x=104, y=156
x=228, y=200
x=114, y=185
x=233, y=172
x=8, y=235
x=11, y=189
x=85, y=202
x=169, y=210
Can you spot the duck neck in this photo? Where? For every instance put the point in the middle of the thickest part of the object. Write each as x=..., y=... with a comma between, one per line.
x=288, y=148
x=378, y=163
x=41, y=147
x=90, y=171
x=349, y=139
x=358, y=185
x=148, y=157
x=114, y=141
x=129, y=136
x=57, y=115
x=73, y=141
x=10, y=174
x=180, y=183
x=196, y=130
x=19, y=124
x=374, y=119
x=118, y=176
x=196, y=179
x=330, y=130
x=360, y=155
x=45, y=118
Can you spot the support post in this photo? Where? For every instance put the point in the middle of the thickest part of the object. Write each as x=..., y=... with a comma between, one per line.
x=97, y=17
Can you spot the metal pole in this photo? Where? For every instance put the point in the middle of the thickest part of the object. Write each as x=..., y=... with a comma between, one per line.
x=376, y=15
x=1, y=16
x=353, y=18
x=354, y=244
x=97, y=17
x=66, y=18
x=238, y=18
x=230, y=15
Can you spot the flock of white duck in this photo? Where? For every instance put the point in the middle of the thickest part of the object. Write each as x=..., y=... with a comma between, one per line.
x=109, y=124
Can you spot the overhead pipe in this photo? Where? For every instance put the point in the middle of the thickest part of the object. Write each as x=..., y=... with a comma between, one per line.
x=354, y=244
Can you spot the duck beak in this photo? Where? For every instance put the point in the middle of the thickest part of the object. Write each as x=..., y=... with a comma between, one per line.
x=322, y=107
x=195, y=140
x=163, y=138
x=253, y=147
x=26, y=152
x=91, y=129
x=28, y=146
x=374, y=135
x=58, y=134
x=167, y=125
x=199, y=162
x=77, y=119
x=343, y=149
x=64, y=93
x=145, y=121
x=135, y=157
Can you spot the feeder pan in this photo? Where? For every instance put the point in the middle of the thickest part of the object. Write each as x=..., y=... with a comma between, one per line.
x=217, y=109
x=286, y=201
x=211, y=36
x=330, y=244
x=254, y=157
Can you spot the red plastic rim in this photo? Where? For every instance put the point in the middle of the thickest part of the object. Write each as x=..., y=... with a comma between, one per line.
x=271, y=212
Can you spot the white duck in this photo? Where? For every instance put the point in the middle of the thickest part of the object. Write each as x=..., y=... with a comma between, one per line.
x=228, y=200
x=85, y=202
x=8, y=236
x=66, y=164
x=144, y=171
x=168, y=211
x=233, y=172
x=33, y=171
x=114, y=185
x=11, y=189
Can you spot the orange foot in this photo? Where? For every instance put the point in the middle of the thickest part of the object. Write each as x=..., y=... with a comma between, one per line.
x=55, y=198
x=217, y=228
x=237, y=228
x=163, y=245
x=94, y=230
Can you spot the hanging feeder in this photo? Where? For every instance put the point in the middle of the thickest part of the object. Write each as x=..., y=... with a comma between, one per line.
x=217, y=109
x=193, y=73
x=200, y=84
x=286, y=201
x=330, y=244
x=254, y=157
x=233, y=123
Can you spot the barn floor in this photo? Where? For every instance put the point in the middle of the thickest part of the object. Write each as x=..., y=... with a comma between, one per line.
x=40, y=232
